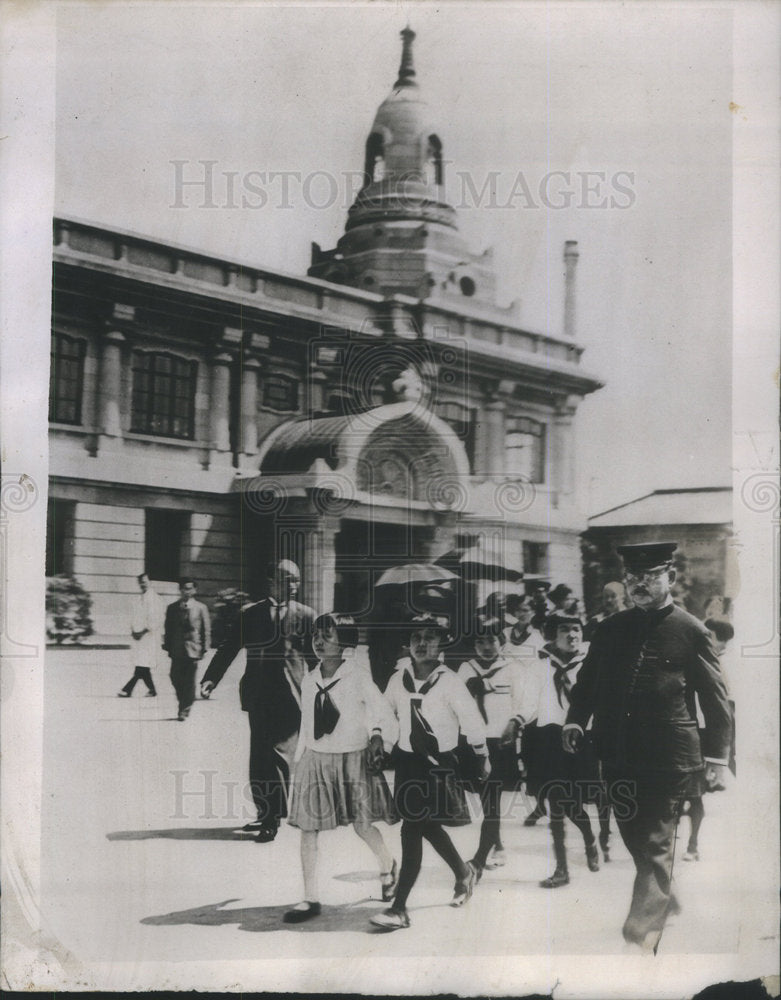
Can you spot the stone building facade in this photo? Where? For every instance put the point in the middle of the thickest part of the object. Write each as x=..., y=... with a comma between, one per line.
x=207, y=415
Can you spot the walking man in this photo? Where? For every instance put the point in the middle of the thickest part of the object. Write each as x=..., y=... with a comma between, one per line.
x=187, y=637
x=639, y=681
x=145, y=629
x=276, y=632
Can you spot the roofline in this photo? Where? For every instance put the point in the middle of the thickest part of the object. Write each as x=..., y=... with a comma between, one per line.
x=349, y=291
x=656, y=493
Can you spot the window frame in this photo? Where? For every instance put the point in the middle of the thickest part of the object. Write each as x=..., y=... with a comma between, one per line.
x=291, y=381
x=537, y=430
x=59, y=339
x=150, y=413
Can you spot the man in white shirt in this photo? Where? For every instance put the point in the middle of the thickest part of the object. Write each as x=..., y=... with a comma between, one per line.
x=145, y=628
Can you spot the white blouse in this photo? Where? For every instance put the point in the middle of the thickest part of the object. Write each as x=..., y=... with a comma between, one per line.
x=498, y=690
x=447, y=707
x=534, y=694
x=362, y=710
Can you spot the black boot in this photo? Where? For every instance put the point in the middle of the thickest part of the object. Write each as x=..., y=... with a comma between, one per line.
x=558, y=878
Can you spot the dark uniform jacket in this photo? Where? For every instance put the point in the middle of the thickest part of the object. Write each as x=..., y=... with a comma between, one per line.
x=639, y=681
x=187, y=630
x=265, y=688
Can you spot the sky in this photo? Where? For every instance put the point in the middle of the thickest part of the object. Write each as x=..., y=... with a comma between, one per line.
x=635, y=98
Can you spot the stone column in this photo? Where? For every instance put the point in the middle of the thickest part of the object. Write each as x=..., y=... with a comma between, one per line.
x=319, y=562
x=220, y=403
x=317, y=389
x=248, y=444
x=562, y=477
x=110, y=385
x=495, y=443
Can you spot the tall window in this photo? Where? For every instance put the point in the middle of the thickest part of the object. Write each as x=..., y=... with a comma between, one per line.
x=280, y=393
x=462, y=421
x=434, y=173
x=535, y=557
x=163, y=394
x=165, y=536
x=525, y=449
x=59, y=536
x=66, y=379
x=374, y=168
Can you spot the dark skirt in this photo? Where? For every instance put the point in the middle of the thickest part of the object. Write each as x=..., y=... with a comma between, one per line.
x=423, y=791
x=504, y=768
x=577, y=775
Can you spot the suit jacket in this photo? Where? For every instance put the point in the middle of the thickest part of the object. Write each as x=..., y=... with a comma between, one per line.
x=266, y=688
x=639, y=681
x=187, y=630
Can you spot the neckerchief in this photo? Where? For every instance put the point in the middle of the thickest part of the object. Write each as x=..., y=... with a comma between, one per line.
x=562, y=681
x=421, y=736
x=326, y=713
x=479, y=688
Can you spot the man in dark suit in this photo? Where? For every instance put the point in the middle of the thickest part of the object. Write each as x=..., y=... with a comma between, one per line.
x=186, y=638
x=276, y=634
x=638, y=682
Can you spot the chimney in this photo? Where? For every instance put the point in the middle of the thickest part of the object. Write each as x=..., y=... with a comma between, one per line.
x=570, y=263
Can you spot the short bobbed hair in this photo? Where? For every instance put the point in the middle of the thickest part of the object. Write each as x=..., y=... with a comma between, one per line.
x=344, y=626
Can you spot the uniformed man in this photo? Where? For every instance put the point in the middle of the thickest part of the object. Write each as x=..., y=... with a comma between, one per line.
x=639, y=682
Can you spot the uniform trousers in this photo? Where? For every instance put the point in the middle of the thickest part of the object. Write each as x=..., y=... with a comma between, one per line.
x=183, y=670
x=647, y=809
x=269, y=772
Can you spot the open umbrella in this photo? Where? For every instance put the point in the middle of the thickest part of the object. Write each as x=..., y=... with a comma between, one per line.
x=484, y=560
x=415, y=573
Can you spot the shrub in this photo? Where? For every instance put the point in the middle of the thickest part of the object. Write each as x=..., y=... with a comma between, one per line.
x=68, y=610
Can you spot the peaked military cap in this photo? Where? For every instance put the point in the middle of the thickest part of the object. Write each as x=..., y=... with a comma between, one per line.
x=647, y=555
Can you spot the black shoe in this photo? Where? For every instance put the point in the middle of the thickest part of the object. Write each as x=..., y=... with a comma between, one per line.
x=559, y=877
x=123, y=694
x=151, y=694
x=592, y=857
x=254, y=826
x=268, y=832
x=301, y=912
x=604, y=843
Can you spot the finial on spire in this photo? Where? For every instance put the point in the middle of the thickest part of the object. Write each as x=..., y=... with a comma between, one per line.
x=406, y=69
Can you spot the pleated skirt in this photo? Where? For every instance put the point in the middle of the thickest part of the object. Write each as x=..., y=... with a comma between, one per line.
x=337, y=789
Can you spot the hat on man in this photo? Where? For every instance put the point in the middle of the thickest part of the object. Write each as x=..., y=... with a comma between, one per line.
x=648, y=555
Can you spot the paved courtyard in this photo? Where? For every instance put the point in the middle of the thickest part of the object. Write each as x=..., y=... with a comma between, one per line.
x=141, y=861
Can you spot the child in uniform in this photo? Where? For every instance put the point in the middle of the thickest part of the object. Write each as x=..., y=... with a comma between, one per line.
x=433, y=706
x=338, y=778
x=488, y=678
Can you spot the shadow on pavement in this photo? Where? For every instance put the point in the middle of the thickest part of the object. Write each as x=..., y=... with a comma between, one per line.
x=184, y=833
x=352, y=917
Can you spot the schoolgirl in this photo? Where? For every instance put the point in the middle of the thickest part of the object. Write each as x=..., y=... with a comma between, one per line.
x=433, y=706
x=488, y=678
x=337, y=778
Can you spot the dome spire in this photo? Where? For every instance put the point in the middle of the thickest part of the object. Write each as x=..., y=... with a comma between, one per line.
x=406, y=68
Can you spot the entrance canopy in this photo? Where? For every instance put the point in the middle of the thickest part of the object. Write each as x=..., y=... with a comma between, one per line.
x=400, y=454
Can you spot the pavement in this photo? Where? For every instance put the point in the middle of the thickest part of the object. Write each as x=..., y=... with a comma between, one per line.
x=141, y=861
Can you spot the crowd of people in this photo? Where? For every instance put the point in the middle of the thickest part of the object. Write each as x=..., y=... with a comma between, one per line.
x=610, y=723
